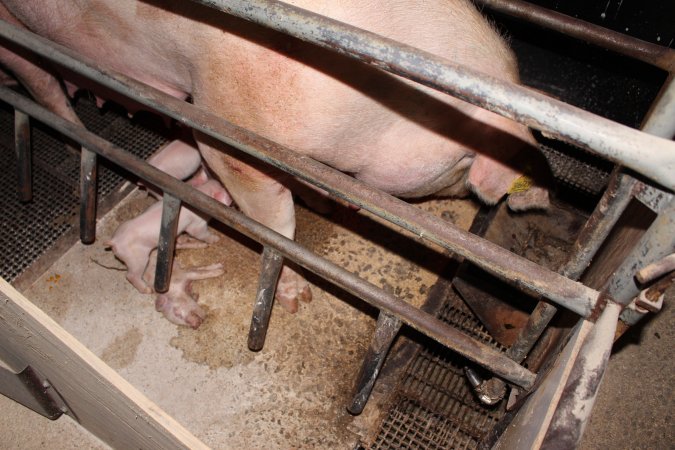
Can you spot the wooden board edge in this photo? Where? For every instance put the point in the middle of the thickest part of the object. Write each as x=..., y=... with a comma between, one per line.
x=35, y=338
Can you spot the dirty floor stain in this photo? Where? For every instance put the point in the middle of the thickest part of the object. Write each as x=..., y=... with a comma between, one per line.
x=122, y=351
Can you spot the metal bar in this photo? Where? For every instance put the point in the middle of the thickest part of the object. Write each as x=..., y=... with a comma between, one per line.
x=32, y=390
x=88, y=185
x=649, y=155
x=659, y=239
x=167, y=241
x=586, y=372
x=657, y=243
x=385, y=332
x=659, y=119
x=656, y=269
x=272, y=261
x=536, y=324
x=652, y=197
x=23, y=149
x=606, y=214
x=656, y=55
x=492, y=258
x=466, y=346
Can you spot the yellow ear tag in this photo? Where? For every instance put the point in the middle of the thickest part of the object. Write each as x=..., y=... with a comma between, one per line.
x=522, y=184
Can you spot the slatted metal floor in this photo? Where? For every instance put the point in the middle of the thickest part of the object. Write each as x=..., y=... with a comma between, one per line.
x=434, y=406
x=28, y=230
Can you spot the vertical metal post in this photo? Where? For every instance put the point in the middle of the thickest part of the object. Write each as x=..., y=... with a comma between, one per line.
x=167, y=241
x=613, y=203
x=385, y=332
x=22, y=145
x=88, y=182
x=616, y=198
x=611, y=206
x=272, y=261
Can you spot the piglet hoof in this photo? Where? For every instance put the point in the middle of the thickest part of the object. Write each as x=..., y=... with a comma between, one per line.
x=182, y=310
x=292, y=304
x=305, y=295
x=292, y=288
x=289, y=304
x=139, y=284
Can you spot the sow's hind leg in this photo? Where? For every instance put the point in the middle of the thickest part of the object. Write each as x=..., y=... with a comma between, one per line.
x=264, y=199
x=41, y=84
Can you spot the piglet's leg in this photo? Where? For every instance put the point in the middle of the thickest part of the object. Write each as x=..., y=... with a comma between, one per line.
x=291, y=288
x=261, y=197
x=201, y=231
x=204, y=272
x=179, y=304
x=135, y=268
x=186, y=242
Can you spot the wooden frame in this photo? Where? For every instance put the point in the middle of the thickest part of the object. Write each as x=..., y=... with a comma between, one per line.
x=97, y=396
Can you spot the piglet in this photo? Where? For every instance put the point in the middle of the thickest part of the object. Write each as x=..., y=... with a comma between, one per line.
x=180, y=160
x=135, y=239
x=179, y=303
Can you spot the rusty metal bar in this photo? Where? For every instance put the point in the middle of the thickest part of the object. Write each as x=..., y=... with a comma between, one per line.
x=272, y=261
x=88, y=185
x=466, y=346
x=166, y=245
x=22, y=146
x=586, y=372
x=607, y=212
x=660, y=121
x=492, y=258
x=385, y=332
x=656, y=55
x=649, y=155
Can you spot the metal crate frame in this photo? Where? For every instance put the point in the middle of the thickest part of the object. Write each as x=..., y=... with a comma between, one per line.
x=651, y=156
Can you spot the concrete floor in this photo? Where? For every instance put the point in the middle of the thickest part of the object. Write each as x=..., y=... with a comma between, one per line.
x=292, y=394
x=634, y=409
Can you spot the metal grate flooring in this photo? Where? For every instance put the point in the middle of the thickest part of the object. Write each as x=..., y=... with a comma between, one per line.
x=434, y=406
x=28, y=230
x=575, y=168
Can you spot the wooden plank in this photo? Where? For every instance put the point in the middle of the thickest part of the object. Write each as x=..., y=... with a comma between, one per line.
x=97, y=397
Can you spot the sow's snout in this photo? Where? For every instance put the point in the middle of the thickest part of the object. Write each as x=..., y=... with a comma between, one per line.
x=509, y=163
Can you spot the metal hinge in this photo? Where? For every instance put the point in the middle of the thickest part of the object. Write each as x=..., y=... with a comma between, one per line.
x=30, y=389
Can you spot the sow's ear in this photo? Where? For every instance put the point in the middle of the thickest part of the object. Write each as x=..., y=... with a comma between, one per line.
x=524, y=181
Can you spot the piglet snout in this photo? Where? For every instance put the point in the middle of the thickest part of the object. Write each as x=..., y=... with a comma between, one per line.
x=180, y=309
